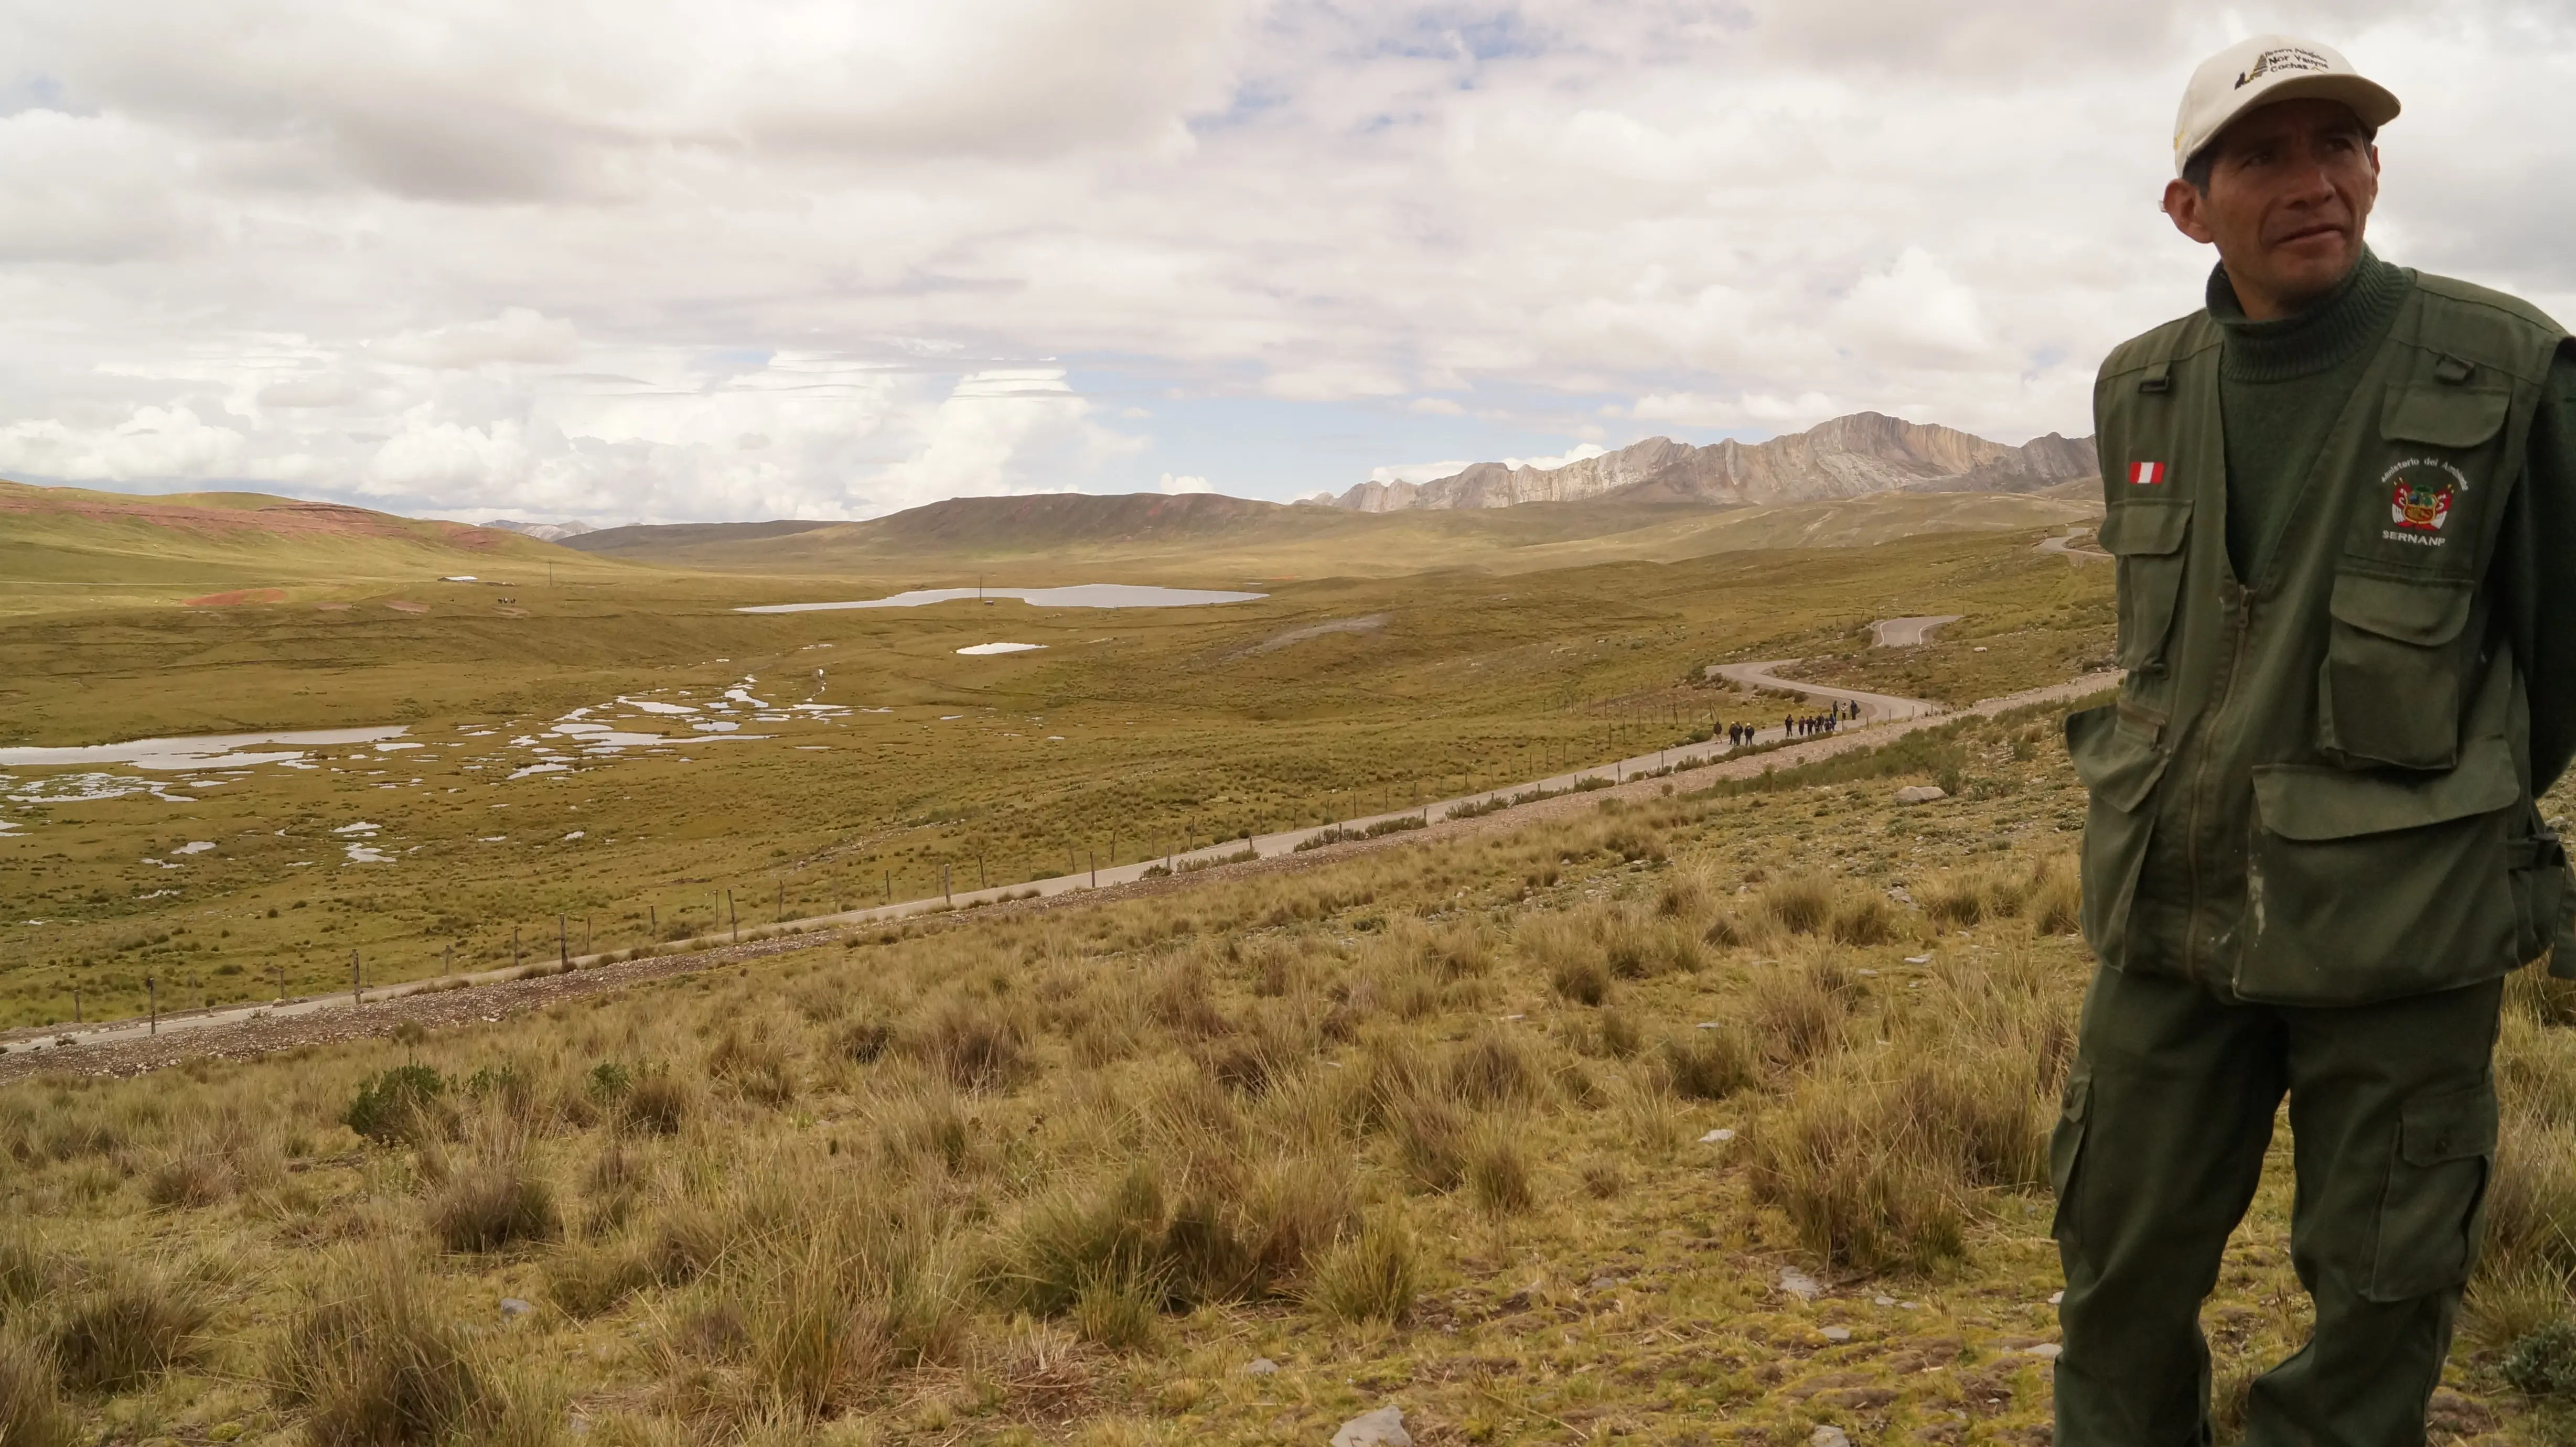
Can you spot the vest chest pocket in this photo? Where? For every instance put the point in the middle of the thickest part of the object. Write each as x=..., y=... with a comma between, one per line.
x=2439, y=465
x=2147, y=535
x=2389, y=690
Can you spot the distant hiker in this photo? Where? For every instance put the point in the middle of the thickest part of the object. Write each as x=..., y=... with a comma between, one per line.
x=2342, y=497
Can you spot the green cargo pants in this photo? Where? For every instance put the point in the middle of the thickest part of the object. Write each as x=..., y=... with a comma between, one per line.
x=2168, y=1112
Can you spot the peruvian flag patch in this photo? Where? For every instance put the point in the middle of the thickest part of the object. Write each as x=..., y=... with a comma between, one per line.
x=2146, y=474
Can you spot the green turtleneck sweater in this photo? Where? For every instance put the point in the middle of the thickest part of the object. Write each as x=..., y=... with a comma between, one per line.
x=2281, y=385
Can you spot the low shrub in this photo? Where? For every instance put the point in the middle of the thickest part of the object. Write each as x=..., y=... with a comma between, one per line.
x=397, y=1105
x=2543, y=1364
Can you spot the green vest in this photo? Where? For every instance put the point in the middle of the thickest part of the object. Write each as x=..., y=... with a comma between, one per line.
x=2315, y=787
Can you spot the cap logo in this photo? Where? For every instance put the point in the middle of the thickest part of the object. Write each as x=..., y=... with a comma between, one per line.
x=2288, y=57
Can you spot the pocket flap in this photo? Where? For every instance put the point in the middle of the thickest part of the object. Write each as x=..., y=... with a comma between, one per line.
x=2311, y=802
x=2423, y=611
x=2443, y=416
x=2459, y=1126
x=2115, y=765
x=2151, y=526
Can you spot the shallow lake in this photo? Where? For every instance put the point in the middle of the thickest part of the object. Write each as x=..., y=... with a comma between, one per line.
x=205, y=751
x=1081, y=595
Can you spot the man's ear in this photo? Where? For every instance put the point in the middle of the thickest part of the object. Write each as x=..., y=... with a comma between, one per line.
x=2186, y=207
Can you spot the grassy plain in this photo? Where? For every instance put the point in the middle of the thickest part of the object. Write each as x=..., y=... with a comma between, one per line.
x=1132, y=733
x=1715, y=1118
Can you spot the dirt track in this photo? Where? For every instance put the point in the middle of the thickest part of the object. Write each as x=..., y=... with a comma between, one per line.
x=485, y=1003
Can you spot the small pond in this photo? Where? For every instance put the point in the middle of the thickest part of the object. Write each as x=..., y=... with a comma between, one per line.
x=1081, y=595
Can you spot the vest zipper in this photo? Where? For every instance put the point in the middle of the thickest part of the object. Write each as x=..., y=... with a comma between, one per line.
x=2238, y=600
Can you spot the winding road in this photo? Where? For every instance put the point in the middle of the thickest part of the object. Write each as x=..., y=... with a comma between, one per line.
x=1874, y=707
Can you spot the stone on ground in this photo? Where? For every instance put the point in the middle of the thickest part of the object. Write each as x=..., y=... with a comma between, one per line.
x=1381, y=1428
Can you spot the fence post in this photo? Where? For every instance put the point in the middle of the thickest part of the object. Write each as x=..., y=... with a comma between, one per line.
x=514, y=947
x=945, y=893
x=782, y=901
x=76, y=1004
x=152, y=995
x=1095, y=868
x=889, y=874
x=357, y=982
x=563, y=943
x=734, y=915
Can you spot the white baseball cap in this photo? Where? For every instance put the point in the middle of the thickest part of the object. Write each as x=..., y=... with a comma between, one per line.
x=2265, y=69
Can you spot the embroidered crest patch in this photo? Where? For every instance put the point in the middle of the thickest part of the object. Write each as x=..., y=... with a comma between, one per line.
x=2146, y=474
x=2421, y=491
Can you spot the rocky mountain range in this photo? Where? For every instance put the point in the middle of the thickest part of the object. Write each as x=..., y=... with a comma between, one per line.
x=1846, y=457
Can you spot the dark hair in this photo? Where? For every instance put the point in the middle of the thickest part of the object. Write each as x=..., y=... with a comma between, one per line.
x=2195, y=172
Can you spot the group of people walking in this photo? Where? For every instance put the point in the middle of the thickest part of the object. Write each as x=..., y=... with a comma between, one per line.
x=1793, y=726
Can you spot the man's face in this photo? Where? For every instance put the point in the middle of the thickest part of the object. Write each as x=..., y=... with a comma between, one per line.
x=2290, y=189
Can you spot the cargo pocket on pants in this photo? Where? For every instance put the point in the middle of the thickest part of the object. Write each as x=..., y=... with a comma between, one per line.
x=2065, y=1154
x=2437, y=1180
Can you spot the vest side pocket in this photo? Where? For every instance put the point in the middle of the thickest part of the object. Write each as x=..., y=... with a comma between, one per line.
x=2389, y=691
x=2146, y=536
x=2365, y=887
x=2119, y=768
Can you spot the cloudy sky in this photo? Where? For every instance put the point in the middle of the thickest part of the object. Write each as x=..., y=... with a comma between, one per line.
x=660, y=261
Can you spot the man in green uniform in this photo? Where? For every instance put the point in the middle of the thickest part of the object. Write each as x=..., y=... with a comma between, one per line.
x=2312, y=852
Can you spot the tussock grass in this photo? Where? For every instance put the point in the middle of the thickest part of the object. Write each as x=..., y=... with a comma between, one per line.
x=1374, y=1275
x=132, y=1321
x=31, y=1407
x=374, y=1358
x=491, y=1194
